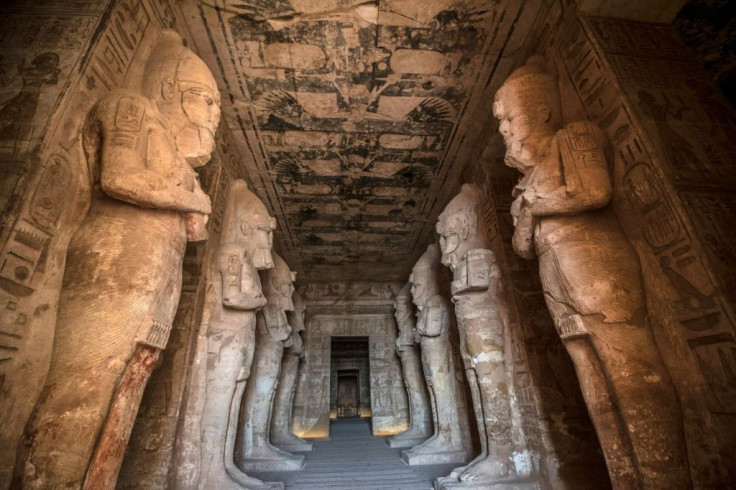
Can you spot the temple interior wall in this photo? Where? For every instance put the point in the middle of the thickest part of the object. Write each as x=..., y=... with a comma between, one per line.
x=677, y=210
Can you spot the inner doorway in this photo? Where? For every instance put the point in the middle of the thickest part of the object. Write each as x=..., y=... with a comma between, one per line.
x=350, y=394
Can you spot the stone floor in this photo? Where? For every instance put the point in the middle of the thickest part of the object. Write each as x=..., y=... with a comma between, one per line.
x=353, y=459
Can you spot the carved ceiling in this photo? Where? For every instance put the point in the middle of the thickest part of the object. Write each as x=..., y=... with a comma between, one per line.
x=355, y=119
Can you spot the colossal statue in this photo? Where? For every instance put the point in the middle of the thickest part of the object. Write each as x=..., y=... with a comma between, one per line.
x=480, y=320
x=420, y=416
x=123, y=271
x=450, y=442
x=256, y=453
x=245, y=248
x=591, y=279
x=281, y=435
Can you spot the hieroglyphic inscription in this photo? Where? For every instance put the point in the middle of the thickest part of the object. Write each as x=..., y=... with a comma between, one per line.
x=670, y=99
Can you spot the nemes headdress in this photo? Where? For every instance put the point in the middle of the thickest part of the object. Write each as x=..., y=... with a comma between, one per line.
x=170, y=59
x=429, y=262
x=531, y=85
x=462, y=212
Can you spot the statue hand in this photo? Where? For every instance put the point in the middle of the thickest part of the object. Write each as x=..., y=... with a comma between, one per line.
x=523, y=239
x=202, y=200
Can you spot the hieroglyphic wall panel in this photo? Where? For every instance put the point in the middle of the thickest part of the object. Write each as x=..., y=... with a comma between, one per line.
x=672, y=142
x=349, y=310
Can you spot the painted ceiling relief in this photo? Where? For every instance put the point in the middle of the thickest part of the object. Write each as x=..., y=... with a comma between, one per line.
x=353, y=107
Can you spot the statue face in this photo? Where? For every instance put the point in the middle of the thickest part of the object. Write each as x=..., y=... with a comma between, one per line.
x=449, y=243
x=261, y=242
x=287, y=289
x=515, y=125
x=202, y=107
x=418, y=291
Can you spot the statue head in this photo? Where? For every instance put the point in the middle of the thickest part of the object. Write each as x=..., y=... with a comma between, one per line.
x=460, y=226
x=528, y=108
x=423, y=276
x=186, y=94
x=296, y=317
x=247, y=222
x=278, y=284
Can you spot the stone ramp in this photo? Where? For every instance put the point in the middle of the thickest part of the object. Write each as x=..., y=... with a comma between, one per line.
x=353, y=459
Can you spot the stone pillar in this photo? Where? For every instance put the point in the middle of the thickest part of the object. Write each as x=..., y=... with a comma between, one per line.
x=254, y=449
x=281, y=434
x=592, y=280
x=482, y=321
x=123, y=272
x=420, y=414
x=450, y=442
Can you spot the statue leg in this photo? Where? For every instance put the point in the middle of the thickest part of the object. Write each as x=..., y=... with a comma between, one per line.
x=108, y=457
x=228, y=353
x=63, y=431
x=485, y=352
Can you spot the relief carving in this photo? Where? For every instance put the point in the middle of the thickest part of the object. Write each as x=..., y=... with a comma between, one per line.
x=592, y=280
x=123, y=272
x=420, y=416
x=449, y=443
x=481, y=323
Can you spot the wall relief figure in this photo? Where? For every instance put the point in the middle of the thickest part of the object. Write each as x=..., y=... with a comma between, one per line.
x=281, y=434
x=449, y=443
x=480, y=321
x=124, y=268
x=255, y=451
x=591, y=279
x=245, y=248
x=420, y=414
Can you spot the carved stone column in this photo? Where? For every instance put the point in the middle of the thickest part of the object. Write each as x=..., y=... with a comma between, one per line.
x=481, y=323
x=123, y=271
x=281, y=435
x=450, y=442
x=592, y=280
x=420, y=414
x=255, y=451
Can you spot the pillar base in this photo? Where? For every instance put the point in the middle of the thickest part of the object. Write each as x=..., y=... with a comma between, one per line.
x=293, y=462
x=451, y=483
x=407, y=442
x=457, y=456
x=298, y=447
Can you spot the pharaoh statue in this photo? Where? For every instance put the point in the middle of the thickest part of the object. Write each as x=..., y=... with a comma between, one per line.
x=123, y=270
x=475, y=292
x=420, y=416
x=450, y=442
x=256, y=453
x=591, y=279
x=245, y=248
x=281, y=435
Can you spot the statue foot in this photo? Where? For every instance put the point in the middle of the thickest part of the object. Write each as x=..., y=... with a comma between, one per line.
x=486, y=469
x=413, y=433
x=437, y=443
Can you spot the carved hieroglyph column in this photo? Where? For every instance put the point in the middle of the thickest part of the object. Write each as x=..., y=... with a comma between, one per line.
x=592, y=280
x=255, y=451
x=123, y=272
x=420, y=414
x=450, y=442
x=281, y=435
x=244, y=249
x=481, y=324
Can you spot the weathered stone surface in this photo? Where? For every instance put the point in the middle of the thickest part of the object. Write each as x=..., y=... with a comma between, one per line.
x=245, y=248
x=420, y=409
x=254, y=449
x=281, y=434
x=115, y=307
x=482, y=322
x=592, y=280
x=450, y=442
